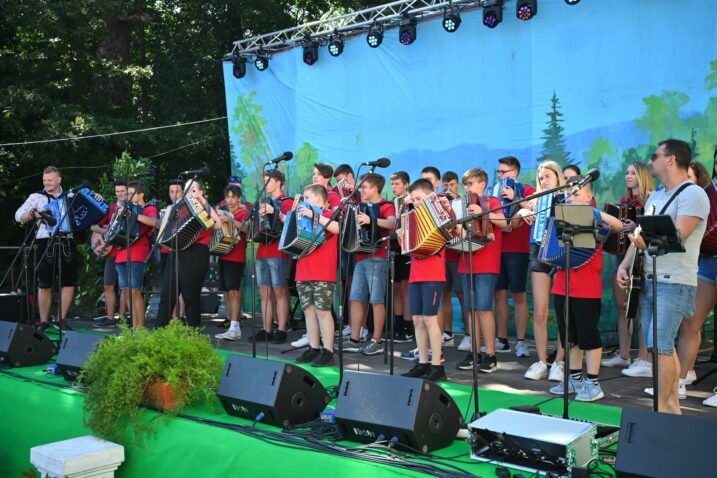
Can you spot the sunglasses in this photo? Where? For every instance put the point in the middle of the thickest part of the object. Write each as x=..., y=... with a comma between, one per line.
x=235, y=179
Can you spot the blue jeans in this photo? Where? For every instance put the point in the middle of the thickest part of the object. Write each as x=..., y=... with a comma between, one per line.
x=369, y=281
x=675, y=302
x=483, y=291
x=136, y=275
x=272, y=271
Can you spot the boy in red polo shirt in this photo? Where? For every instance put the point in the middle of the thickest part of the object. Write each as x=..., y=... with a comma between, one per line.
x=315, y=282
x=585, y=303
x=486, y=267
x=322, y=175
x=425, y=294
x=231, y=266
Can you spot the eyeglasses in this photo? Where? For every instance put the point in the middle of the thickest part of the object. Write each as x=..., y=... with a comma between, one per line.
x=503, y=171
x=235, y=179
x=469, y=183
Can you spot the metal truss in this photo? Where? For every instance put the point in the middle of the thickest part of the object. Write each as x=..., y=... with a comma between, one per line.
x=384, y=16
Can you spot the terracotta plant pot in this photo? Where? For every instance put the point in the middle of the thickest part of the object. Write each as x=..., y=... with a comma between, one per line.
x=160, y=395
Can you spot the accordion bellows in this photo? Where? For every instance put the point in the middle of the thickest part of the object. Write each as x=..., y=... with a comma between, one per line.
x=425, y=230
x=183, y=223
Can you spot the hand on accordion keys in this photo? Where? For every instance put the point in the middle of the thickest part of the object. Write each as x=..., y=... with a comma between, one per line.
x=305, y=211
x=265, y=209
x=508, y=193
x=362, y=219
x=474, y=209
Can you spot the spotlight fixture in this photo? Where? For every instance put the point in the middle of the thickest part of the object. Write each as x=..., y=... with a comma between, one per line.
x=261, y=62
x=336, y=45
x=572, y=2
x=311, y=52
x=239, y=67
x=451, y=20
x=374, y=37
x=407, y=31
x=526, y=9
x=493, y=14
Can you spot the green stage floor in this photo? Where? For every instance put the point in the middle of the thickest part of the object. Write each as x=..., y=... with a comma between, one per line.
x=36, y=413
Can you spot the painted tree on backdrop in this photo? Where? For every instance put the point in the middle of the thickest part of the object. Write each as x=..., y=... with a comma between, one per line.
x=253, y=150
x=554, y=137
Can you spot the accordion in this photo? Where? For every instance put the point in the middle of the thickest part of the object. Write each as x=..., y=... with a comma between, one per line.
x=361, y=239
x=267, y=229
x=75, y=211
x=301, y=235
x=342, y=188
x=553, y=253
x=482, y=227
x=181, y=226
x=543, y=210
x=118, y=229
x=618, y=242
x=516, y=186
x=425, y=229
x=225, y=238
x=709, y=240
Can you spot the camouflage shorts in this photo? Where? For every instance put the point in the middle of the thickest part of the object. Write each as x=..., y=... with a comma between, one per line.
x=320, y=294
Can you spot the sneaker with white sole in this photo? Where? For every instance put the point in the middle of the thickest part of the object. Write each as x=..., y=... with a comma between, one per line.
x=557, y=371
x=711, y=401
x=590, y=391
x=638, y=368
x=615, y=360
x=501, y=347
x=447, y=339
x=231, y=334
x=521, y=350
x=573, y=387
x=537, y=371
x=346, y=331
x=410, y=355
x=373, y=348
x=681, y=390
x=350, y=346
x=465, y=345
x=691, y=377
x=302, y=342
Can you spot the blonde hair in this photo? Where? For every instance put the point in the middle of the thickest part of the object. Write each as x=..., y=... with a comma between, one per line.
x=477, y=173
x=645, y=183
x=554, y=167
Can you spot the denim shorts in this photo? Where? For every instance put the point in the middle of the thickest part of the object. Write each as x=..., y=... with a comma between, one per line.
x=272, y=271
x=707, y=271
x=136, y=275
x=483, y=290
x=369, y=281
x=536, y=265
x=453, y=279
x=675, y=303
x=513, y=271
x=425, y=298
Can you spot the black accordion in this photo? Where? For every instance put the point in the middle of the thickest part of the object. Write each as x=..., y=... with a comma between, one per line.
x=184, y=222
x=267, y=229
x=361, y=239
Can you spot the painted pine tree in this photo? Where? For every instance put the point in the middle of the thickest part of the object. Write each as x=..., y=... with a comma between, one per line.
x=553, y=137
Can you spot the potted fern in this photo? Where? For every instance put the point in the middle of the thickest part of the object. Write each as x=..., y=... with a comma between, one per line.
x=141, y=366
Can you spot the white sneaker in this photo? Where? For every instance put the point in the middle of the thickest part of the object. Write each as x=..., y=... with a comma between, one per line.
x=364, y=334
x=615, y=360
x=711, y=401
x=346, y=332
x=465, y=345
x=681, y=390
x=447, y=339
x=556, y=372
x=231, y=334
x=638, y=368
x=691, y=377
x=302, y=342
x=521, y=350
x=537, y=371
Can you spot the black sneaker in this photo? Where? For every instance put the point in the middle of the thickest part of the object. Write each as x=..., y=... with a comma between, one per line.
x=326, y=357
x=43, y=327
x=279, y=337
x=262, y=336
x=467, y=363
x=418, y=370
x=404, y=337
x=436, y=374
x=226, y=323
x=107, y=323
x=502, y=346
x=488, y=364
x=308, y=355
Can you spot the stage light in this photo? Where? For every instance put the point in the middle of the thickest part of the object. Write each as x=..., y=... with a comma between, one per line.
x=336, y=46
x=261, y=62
x=374, y=37
x=451, y=20
x=572, y=2
x=493, y=14
x=526, y=9
x=239, y=67
x=407, y=31
x=311, y=52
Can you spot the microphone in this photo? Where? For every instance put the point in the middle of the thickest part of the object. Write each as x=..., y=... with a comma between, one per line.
x=284, y=157
x=590, y=177
x=380, y=163
x=47, y=218
x=197, y=172
x=83, y=184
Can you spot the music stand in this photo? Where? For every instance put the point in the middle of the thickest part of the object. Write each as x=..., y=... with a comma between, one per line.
x=660, y=235
x=575, y=226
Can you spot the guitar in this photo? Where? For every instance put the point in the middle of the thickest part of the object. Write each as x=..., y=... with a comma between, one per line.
x=634, y=284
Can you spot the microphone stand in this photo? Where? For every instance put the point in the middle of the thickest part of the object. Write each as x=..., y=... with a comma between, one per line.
x=127, y=212
x=24, y=250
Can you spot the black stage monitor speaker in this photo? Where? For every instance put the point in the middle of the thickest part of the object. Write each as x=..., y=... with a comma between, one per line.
x=21, y=345
x=74, y=350
x=418, y=413
x=284, y=394
x=14, y=307
x=662, y=445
